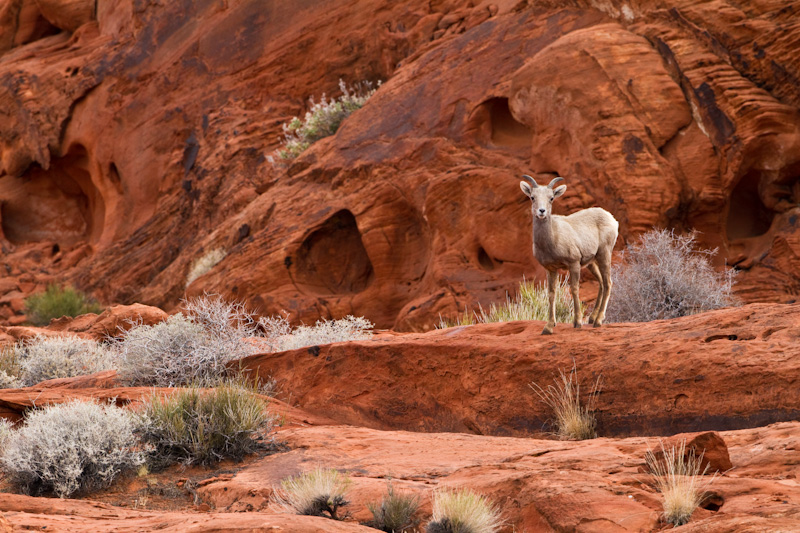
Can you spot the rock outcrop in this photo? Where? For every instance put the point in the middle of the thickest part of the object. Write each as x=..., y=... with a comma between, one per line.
x=135, y=139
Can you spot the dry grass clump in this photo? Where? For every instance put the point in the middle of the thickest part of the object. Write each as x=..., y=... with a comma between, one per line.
x=349, y=328
x=463, y=511
x=6, y=429
x=530, y=303
x=323, y=118
x=45, y=357
x=572, y=420
x=678, y=476
x=8, y=381
x=203, y=264
x=666, y=276
x=56, y=302
x=395, y=513
x=69, y=448
x=320, y=492
x=192, y=348
x=194, y=425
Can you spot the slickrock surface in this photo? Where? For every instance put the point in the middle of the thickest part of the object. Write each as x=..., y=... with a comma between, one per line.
x=727, y=369
x=135, y=138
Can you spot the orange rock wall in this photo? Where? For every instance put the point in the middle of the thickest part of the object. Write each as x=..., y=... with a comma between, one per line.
x=135, y=138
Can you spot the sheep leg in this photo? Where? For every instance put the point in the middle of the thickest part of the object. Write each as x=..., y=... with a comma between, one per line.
x=605, y=270
x=595, y=270
x=551, y=295
x=574, y=280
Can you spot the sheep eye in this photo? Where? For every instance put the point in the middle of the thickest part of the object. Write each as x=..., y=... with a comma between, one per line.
x=551, y=199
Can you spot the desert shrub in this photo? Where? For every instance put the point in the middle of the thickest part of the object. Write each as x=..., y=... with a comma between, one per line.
x=44, y=357
x=463, y=511
x=203, y=264
x=323, y=118
x=8, y=381
x=6, y=430
x=194, y=425
x=396, y=511
x=69, y=448
x=571, y=419
x=349, y=328
x=320, y=492
x=530, y=303
x=667, y=276
x=678, y=476
x=193, y=348
x=56, y=302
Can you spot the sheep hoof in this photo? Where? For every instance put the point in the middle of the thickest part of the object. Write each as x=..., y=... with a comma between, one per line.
x=577, y=325
x=547, y=330
x=598, y=324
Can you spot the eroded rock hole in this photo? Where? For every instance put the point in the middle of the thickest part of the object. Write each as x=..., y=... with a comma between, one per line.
x=506, y=131
x=484, y=260
x=713, y=502
x=332, y=259
x=59, y=204
x=747, y=215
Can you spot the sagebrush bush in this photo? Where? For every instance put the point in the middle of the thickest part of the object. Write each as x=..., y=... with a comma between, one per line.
x=56, y=302
x=530, y=303
x=193, y=348
x=203, y=264
x=463, y=511
x=8, y=381
x=69, y=448
x=666, y=276
x=349, y=328
x=323, y=118
x=49, y=357
x=678, y=476
x=571, y=419
x=395, y=513
x=6, y=429
x=320, y=492
x=203, y=426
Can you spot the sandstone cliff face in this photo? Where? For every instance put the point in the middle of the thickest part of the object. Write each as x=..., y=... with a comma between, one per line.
x=135, y=134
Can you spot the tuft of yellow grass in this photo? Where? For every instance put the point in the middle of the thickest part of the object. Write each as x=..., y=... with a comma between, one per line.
x=462, y=510
x=320, y=492
x=679, y=477
x=573, y=421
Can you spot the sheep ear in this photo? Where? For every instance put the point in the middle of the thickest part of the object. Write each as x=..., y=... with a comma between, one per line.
x=558, y=191
x=526, y=189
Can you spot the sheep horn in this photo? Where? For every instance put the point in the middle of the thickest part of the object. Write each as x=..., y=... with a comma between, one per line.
x=556, y=180
x=531, y=181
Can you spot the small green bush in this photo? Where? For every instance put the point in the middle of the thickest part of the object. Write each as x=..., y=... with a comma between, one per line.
x=202, y=265
x=666, y=276
x=678, y=476
x=193, y=425
x=572, y=420
x=323, y=119
x=43, y=357
x=395, y=513
x=56, y=302
x=531, y=303
x=463, y=511
x=320, y=492
x=72, y=447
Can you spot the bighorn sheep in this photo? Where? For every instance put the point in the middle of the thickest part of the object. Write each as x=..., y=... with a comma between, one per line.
x=585, y=238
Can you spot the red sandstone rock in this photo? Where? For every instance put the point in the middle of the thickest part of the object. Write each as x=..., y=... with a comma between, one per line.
x=674, y=113
x=709, y=445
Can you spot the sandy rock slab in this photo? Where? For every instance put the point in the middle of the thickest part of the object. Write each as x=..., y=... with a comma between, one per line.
x=728, y=369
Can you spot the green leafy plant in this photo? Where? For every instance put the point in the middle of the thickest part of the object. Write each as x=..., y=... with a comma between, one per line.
x=395, y=513
x=572, y=420
x=323, y=118
x=69, y=448
x=530, y=303
x=320, y=492
x=679, y=477
x=56, y=302
x=666, y=276
x=463, y=511
x=194, y=425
